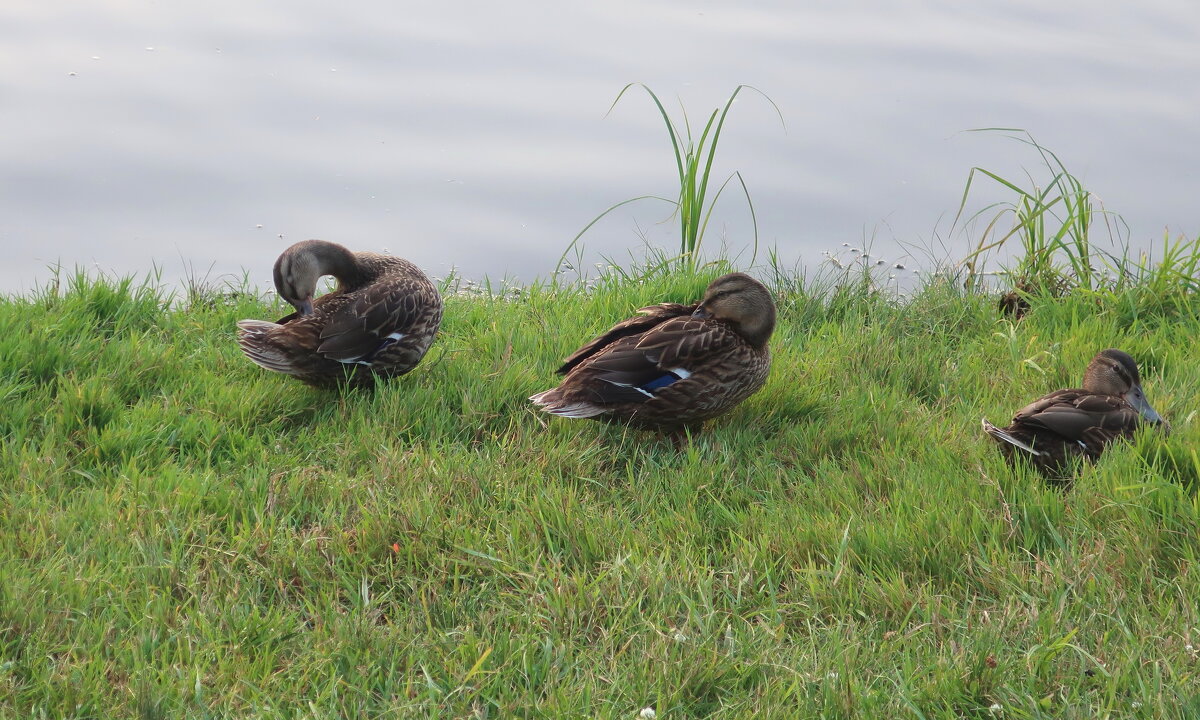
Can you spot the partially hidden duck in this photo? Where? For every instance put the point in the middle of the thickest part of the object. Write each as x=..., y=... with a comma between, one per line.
x=1058, y=429
x=378, y=322
x=673, y=366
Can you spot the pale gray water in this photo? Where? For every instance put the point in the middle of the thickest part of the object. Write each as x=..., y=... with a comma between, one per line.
x=474, y=134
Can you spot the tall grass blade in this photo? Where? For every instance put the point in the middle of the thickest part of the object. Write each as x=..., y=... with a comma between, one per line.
x=694, y=164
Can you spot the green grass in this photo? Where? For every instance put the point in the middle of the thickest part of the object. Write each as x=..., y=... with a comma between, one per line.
x=185, y=535
x=694, y=202
x=1051, y=222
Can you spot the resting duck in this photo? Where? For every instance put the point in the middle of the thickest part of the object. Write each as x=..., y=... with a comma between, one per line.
x=1053, y=431
x=379, y=321
x=674, y=366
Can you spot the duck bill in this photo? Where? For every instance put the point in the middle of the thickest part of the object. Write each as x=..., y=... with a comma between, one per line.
x=305, y=306
x=701, y=312
x=1137, y=399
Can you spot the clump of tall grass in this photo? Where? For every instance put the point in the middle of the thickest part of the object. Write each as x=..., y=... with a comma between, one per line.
x=1052, y=223
x=693, y=204
x=1055, y=226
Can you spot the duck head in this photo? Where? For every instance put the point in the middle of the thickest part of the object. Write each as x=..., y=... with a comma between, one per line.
x=743, y=303
x=1113, y=372
x=300, y=267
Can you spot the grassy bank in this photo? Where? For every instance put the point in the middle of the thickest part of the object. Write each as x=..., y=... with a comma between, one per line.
x=185, y=535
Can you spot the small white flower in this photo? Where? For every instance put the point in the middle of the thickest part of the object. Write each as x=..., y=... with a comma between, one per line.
x=1135, y=704
x=680, y=637
x=995, y=709
x=833, y=676
x=647, y=713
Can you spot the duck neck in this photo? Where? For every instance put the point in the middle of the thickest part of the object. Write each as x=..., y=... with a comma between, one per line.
x=335, y=260
x=758, y=329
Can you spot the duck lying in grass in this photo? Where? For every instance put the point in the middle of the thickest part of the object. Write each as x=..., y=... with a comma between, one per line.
x=674, y=366
x=1055, y=430
x=379, y=321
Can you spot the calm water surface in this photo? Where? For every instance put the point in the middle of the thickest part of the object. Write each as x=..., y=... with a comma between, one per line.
x=203, y=137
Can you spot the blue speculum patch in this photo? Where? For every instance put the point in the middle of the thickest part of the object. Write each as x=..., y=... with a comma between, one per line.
x=661, y=382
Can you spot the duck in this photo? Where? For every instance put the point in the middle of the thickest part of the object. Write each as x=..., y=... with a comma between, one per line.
x=377, y=323
x=672, y=366
x=1061, y=428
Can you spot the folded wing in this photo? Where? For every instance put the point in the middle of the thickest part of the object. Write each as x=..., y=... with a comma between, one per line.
x=1079, y=416
x=374, y=319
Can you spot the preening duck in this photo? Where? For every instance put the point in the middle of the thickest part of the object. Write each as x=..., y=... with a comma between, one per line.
x=673, y=366
x=378, y=322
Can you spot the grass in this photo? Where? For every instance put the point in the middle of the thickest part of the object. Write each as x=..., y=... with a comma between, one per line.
x=1052, y=223
x=185, y=535
x=692, y=204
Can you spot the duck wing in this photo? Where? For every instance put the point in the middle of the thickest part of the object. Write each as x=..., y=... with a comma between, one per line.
x=1080, y=416
x=646, y=320
x=372, y=318
x=634, y=368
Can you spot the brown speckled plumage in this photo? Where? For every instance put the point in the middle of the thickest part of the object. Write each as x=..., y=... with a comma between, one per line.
x=1057, y=430
x=674, y=366
x=378, y=322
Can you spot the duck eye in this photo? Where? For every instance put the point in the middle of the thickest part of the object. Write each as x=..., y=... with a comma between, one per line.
x=1122, y=373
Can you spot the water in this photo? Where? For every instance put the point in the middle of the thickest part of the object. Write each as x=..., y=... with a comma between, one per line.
x=201, y=138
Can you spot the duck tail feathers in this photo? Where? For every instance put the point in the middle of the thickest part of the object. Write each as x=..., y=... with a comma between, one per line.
x=550, y=401
x=1004, y=436
x=252, y=336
